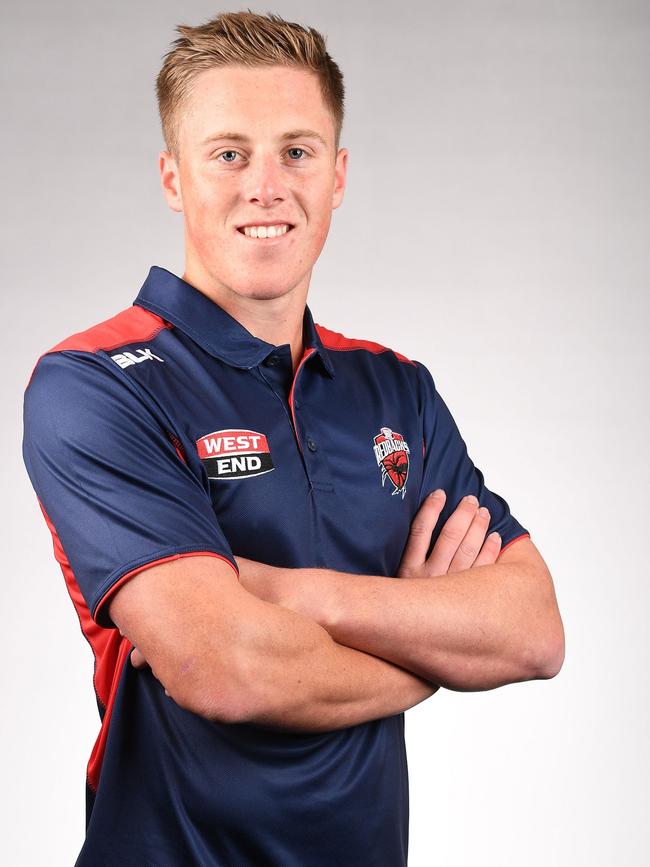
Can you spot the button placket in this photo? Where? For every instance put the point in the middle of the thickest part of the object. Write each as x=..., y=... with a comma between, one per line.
x=294, y=404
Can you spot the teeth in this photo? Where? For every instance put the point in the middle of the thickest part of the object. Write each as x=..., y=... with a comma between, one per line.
x=266, y=231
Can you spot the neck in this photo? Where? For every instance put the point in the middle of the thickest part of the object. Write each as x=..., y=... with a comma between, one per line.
x=275, y=320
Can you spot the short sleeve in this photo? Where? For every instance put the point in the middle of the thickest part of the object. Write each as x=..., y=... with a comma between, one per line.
x=113, y=487
x=447, y=465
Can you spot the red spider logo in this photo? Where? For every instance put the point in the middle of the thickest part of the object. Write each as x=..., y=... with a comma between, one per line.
x=397, y=466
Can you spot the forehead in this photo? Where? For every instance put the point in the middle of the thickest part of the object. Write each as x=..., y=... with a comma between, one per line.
x=255, y=101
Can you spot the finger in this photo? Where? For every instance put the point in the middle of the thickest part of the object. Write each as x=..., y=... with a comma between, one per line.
x=419, y=537
x=490, y=550
x=137, y=659
x=451, y=536
x=470, y=546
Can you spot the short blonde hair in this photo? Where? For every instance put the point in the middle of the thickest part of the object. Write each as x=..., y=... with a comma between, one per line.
x=249, y=39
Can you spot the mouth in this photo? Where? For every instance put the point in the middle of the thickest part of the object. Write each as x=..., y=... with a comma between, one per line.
x=265, y=232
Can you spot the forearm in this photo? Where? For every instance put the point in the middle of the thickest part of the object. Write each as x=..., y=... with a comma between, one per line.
x=471, y=630
x=299, y=678
x=224, y=654
x=452, y=629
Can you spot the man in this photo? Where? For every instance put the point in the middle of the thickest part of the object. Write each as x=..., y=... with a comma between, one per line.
x=232, y=490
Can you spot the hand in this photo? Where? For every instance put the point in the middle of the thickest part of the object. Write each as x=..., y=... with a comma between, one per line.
x=264, y=581
x=460, y=545
x=138, y=661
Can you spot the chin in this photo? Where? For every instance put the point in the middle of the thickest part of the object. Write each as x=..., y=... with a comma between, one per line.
x=263, y=291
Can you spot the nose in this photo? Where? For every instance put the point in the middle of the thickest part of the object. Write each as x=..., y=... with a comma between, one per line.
x=265, y=184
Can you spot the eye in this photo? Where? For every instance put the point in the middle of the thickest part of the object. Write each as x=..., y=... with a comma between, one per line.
x=228, y=155
x=292, y=151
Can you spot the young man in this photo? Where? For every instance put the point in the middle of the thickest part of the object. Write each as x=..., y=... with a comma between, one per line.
x=232, y=490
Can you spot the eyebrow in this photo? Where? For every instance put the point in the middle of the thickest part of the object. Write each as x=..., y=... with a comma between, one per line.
x=292, y=134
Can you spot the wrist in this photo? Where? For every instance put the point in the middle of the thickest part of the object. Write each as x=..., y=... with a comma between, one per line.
x=260, y=579
x=312, y=592
x=309, y=591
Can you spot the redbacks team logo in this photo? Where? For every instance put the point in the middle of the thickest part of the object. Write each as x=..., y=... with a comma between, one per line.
x=392, y=453
x=234, y=453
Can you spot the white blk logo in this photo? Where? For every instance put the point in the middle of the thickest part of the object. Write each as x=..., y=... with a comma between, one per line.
x=126, y=359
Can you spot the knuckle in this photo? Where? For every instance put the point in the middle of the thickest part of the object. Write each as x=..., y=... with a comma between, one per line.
x=450, y=534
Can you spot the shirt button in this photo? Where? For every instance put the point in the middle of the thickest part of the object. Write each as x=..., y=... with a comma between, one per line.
x=311, y=445
x=272, y=360
x=296, y=403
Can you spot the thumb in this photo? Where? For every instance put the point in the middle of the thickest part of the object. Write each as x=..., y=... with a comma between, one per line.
x=137, y=659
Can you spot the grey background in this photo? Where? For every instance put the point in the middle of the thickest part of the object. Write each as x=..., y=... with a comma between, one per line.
x=495, y=227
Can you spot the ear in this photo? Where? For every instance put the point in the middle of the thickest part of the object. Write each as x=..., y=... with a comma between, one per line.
x=340, y=169
x=170, y=180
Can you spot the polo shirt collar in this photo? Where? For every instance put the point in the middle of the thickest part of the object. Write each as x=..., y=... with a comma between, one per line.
x=211, y=326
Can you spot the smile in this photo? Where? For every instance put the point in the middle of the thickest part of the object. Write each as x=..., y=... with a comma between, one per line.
x=277, y=230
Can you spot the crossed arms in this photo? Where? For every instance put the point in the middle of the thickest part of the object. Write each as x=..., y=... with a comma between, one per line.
x=316, y=649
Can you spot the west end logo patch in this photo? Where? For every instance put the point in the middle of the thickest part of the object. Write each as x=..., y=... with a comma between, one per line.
x=234, y=454
x=392, y=453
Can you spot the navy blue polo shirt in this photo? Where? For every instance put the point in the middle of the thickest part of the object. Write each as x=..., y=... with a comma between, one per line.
x=170, y=431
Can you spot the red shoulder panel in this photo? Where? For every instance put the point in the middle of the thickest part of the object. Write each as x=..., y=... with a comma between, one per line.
x=130, y=325
x=337, y=341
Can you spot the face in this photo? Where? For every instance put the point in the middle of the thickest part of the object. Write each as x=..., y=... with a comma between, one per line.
x=256, y=150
